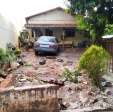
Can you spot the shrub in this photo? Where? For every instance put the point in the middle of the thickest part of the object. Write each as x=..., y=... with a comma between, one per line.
x=6, y=56
x=94, y=61
x=10, y=55
x=2, y=56
x=70, y=75
x=17, y=51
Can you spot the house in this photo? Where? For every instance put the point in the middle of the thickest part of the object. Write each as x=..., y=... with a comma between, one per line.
x=7, y=33
x=56, y=22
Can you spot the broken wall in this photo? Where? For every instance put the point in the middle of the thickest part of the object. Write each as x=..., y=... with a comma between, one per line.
x=29, y=99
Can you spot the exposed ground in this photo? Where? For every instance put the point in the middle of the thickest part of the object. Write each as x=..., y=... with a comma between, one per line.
x=80, y=97
x=32, y=71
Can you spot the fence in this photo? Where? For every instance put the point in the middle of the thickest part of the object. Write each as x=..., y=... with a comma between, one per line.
x=108, y=45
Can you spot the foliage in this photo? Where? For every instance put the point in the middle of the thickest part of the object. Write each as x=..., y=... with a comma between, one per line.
x=80, y=21
x=13, y=50
x=24, y=35
x=96, y=14
x=6, y=56
x=24, y=40
x=10, y=55
x=70, y=75
x=94, y=61
x=10, y=46
x=2, y=56
x=17, y=51
x=108, y=29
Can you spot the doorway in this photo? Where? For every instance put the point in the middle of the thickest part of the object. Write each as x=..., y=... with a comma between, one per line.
x=48, y=32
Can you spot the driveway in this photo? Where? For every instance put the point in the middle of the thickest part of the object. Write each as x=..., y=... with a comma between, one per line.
x=33, y=72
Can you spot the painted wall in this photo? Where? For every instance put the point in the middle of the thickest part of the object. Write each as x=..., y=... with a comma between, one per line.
x=7, y=33
x=54, y=17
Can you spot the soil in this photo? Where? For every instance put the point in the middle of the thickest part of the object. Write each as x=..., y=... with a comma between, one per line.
x=76, y=97
x=32, y=71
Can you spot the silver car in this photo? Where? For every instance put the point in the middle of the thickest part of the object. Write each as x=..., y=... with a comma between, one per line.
x=46, y=44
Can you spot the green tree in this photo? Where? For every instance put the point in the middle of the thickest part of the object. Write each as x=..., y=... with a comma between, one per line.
x=108, y=29
x=95, y=15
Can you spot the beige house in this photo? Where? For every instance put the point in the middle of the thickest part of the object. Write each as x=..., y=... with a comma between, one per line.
x=54, y=22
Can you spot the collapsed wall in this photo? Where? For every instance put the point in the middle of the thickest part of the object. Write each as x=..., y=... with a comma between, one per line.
x=29, y=99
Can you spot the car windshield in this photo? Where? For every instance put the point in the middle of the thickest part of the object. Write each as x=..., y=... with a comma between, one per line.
x=46, y=39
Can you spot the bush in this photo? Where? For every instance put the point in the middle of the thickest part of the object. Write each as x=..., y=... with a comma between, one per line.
x=94, y=61
x=6, y=56
x=17, y=51
x=70, y=75
x=2, y=56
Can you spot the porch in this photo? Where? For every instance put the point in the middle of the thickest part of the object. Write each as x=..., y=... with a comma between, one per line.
x=65, y=36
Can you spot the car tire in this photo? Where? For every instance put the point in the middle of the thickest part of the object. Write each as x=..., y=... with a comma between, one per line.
x=36, y=52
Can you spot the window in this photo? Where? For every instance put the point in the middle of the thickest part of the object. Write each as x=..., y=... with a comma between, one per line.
x=69, y=32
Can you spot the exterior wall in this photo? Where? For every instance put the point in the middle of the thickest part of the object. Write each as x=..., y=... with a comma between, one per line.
x=55, y=16
x=7, y=33
x=30, y=99
x=58, y=32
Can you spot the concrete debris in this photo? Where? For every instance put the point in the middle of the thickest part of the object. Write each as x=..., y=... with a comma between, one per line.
x=75, y=97
x=20, y=60
x=60, y=60
x=3, y=74
x=42, y=61
x=14, y=65
x=105, y=83
x=61, y=105
x=54, y=81
x=51, y=57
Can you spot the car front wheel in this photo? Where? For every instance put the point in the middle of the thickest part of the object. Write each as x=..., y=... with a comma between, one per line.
x=36, y=52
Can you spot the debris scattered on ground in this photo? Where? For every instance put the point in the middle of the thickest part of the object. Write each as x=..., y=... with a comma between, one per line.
x=51, y=57
x=60, y=60
x=3, y=74
x=54, y=81
x=20, y=60
x=42, y=61
x=75, y=97
x=61, y=105
x=14, y=65
x=86, y=97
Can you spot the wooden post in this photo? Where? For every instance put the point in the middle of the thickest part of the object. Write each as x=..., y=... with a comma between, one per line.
x=30, y=34
x=34, y=34
x=63, y=37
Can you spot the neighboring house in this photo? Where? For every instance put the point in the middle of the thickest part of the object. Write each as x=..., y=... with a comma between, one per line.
x=7, y=33
x=54, y=22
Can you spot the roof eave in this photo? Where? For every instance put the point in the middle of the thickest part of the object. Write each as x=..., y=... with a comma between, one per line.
x=27, y=18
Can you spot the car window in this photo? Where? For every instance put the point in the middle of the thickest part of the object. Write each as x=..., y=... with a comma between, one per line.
x=47, y=39
x=43, y=39
x=52, y=40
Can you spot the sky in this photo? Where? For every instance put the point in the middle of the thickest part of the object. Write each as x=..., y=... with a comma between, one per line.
x=16, y=10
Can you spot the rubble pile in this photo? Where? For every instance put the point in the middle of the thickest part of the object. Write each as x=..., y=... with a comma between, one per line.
x=73, y=97
x=84, y=97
